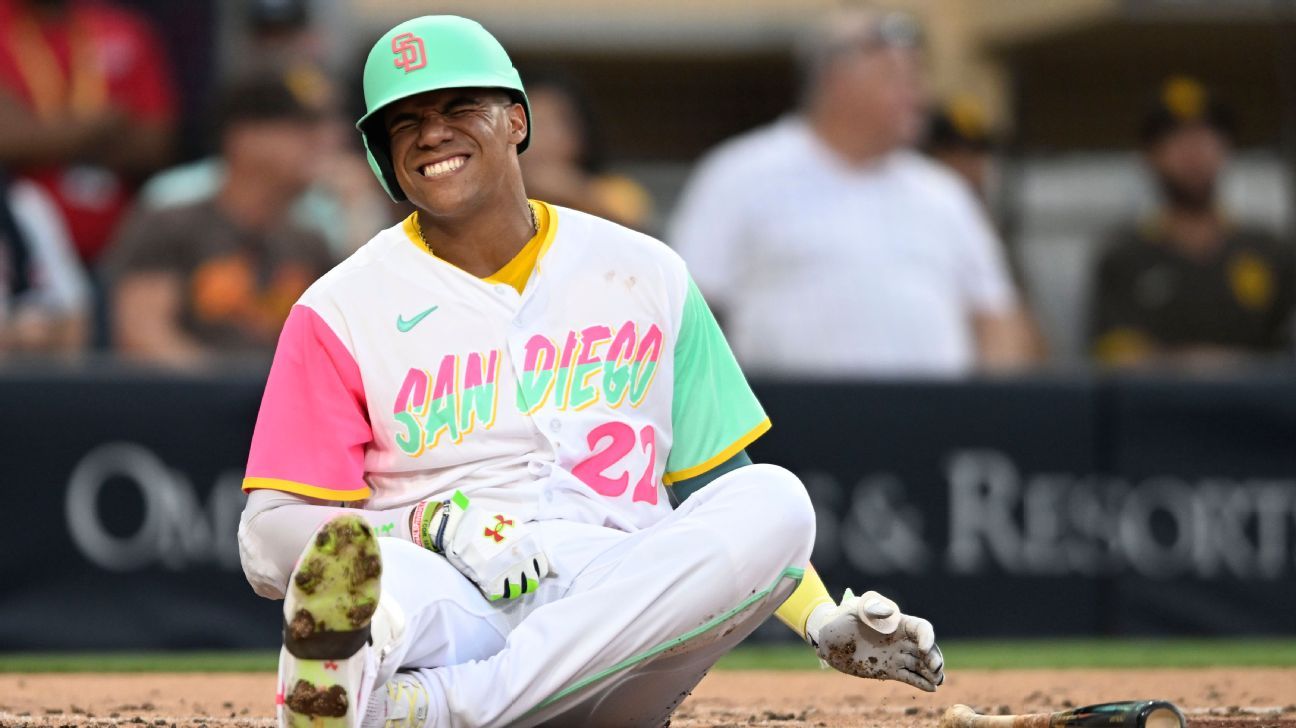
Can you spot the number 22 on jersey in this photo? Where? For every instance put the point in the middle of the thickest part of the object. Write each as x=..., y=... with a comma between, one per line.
x=609, y=443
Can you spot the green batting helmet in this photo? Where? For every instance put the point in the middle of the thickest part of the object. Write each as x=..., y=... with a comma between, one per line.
x=428, y=54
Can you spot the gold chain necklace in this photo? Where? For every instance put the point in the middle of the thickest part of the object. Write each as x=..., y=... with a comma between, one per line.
x=418, y=227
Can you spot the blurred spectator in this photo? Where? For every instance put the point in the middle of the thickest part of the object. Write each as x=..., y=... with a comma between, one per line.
x=564, y=166
x=221, y=275
x=283, y=35
x=86, y=107
x=342, y=204
x=1188, y=285
x=958, y=136
x=44, y=293
x=830, y=247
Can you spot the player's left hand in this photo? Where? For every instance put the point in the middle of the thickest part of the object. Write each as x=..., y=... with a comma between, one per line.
x=500, y=554
x=868, y=636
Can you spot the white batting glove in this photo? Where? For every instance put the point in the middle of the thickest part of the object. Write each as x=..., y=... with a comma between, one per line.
x=867, y=636
x=499, y=553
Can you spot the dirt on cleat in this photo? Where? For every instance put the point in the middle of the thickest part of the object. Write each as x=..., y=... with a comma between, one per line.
x=331, y=600
x=361, y=614
x=302, y=625
x=335, y=591
x=308, y=579
x=306, y=699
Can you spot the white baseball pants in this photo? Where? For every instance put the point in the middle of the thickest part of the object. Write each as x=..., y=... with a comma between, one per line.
x=626, y=627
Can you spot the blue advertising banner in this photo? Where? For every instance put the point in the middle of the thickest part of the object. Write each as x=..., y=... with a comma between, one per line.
x=994, y=508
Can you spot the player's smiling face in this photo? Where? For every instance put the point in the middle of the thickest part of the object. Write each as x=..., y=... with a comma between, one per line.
x=454, y=148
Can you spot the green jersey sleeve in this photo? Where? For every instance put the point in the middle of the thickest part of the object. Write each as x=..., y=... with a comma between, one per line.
x=714, y=414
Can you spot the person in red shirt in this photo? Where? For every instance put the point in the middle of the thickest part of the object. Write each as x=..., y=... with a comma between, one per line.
x=86, y=107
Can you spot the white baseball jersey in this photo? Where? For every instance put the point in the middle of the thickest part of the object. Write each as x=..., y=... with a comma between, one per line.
x=400, y=377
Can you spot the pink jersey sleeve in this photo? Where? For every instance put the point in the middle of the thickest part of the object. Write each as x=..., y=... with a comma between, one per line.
x=313, y=426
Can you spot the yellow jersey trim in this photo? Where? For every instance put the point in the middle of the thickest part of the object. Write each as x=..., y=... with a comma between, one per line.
x=548, y=227
x=313, y=491
x=517, y=271
x=412, y=234
x=720, y=457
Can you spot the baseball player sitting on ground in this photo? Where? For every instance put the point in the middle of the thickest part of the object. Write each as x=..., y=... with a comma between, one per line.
x=498, y=475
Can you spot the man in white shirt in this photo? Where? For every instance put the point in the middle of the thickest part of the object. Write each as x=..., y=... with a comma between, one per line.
x=830, y=247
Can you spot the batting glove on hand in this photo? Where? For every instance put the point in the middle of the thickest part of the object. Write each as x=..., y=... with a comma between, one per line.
x=867, y=636
x=500, y=554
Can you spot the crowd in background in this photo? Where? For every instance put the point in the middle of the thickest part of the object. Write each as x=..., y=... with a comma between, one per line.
x=851, y=237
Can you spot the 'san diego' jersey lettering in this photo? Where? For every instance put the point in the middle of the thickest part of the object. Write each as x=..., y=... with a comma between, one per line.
x=400, y=377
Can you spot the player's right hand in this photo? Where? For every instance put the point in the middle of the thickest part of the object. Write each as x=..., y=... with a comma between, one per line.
x=500, y=554
x=868, y=636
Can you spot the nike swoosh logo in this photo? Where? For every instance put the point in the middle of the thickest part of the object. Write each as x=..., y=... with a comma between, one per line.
x=404, y=325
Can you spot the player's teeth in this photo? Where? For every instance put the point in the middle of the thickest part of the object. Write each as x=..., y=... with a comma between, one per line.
x=443, y=167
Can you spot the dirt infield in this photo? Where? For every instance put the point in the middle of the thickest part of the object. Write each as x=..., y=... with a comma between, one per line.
x=1231, y=698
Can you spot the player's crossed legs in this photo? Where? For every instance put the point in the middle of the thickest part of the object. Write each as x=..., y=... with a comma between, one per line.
x=620, y=638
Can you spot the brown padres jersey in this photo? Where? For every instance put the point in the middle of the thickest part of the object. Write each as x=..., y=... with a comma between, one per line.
x=1147, y=293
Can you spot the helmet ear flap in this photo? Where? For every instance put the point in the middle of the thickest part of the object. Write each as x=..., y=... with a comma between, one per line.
x=378, y=151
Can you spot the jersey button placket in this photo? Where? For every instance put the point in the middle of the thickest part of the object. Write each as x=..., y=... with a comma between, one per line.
x=517, y=354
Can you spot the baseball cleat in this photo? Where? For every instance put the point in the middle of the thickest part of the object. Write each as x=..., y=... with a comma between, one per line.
x=324, y=668
x=401, y=703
